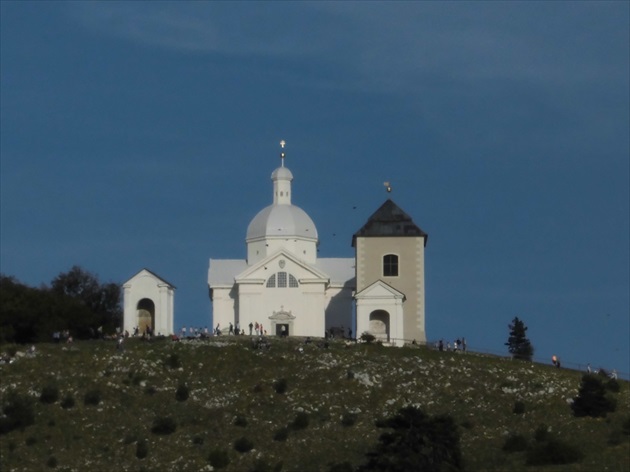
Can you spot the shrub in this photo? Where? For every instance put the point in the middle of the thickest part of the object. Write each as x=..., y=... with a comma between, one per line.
x=240, y=421
x=349, y=419
x=542, y=433
x=416, y=442
x=150, y=390
x=519, y=408
x=92, y=397
x=18, y=413
x=553, y=452
x=625, y=426
x=367, y=338
x=173, y=361
x=163, y=425
x=281, y=435
x=300, y=422
x=515, y=443
x=613, y=385
x=280, y=386
x=67, y=402
x=50, y=394
x=52, y=462
x=243, y=445
x=31, y=440
x=198, y=440
x=182, y=393
x=142, y=449
x=219, y=458
x=592, y=400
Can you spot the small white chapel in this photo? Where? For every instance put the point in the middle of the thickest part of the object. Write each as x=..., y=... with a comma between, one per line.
x=284, y=287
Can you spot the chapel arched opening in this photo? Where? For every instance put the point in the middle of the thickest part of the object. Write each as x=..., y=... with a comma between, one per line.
x=380, y=325
x=146, y=315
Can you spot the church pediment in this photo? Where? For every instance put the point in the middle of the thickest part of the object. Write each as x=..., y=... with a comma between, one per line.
x=145, y=274
x=379, y=290
x=282, y=315
x=281, y=262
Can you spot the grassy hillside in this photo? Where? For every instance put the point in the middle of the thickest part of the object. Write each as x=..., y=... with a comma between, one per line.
x=325, y=411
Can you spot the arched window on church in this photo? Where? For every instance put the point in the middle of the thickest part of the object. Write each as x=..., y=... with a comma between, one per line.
x=271, y=281
x=390, y=265
x=293, y=283
x=282, y=280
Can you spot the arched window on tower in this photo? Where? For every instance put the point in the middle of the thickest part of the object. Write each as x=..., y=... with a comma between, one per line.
x=390, y=265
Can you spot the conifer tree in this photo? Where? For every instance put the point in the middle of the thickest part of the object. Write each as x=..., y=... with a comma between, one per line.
x=519, y=346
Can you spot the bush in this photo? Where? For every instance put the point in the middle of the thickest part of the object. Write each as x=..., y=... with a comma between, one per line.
x=198, y=440
x=92, y=397
x=542, y=433
x=519, y=408
x=553, y=452
x=416, y=442
x=67, y=402
x=50, y=394
x=592, y=400
x=243, y=445
x=625, y=426
x=367, y=338
x=52, y=462
x=182, y=393
x=173, y=361
x=300, y=422
x=142, y=449
x=280, y=386
x=281, y=435
x=349, y=419
x=219, y=458
x=515, y=443
x=613, y=385
x=164, y=425
x=240, y=421
x=18, y=413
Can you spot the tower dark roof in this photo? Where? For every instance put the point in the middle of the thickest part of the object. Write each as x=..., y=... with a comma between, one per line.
x=389, y=220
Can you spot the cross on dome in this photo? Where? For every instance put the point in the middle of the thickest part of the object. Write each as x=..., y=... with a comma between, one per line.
x=282, y=154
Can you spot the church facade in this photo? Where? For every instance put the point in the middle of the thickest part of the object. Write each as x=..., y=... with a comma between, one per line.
x=286, y=289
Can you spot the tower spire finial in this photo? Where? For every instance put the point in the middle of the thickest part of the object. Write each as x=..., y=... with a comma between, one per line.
x=282, y=154
x=388, y=187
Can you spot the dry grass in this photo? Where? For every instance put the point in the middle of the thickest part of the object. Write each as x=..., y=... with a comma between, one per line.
x=233, y=395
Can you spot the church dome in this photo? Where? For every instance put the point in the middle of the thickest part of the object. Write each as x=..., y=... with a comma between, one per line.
x=281, y=173
x=281, y=221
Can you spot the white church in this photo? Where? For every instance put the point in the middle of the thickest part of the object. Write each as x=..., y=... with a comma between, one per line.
x=283, y=287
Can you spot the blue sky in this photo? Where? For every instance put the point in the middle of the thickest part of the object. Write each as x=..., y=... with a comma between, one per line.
x=143, y=135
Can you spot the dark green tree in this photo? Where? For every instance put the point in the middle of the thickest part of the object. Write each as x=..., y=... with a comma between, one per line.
x=592, y=399
x=416, y=442
x=519, y=346
x=103, y=300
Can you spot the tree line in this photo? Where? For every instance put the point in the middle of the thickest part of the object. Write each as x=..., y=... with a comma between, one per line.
x=75, y=301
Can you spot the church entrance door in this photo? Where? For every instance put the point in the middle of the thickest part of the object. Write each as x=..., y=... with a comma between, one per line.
x=282, y=329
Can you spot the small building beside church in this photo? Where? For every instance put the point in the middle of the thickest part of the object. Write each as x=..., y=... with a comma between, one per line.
x=148, y=302
x=284, y=287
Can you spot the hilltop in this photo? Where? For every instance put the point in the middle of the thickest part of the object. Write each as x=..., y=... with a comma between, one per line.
x=166, y=405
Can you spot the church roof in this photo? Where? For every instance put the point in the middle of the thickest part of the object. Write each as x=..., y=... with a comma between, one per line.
x=389, y=220
x=222, y=272
x=152, y=274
